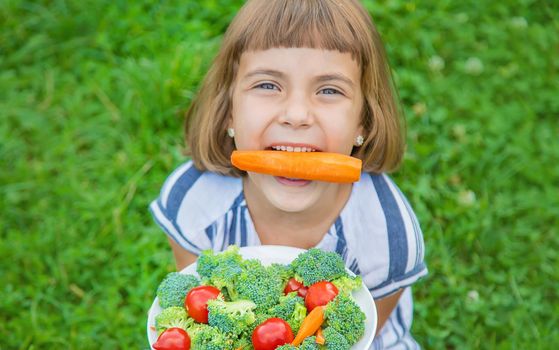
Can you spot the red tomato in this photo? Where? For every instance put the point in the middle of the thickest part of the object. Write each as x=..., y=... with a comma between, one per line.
x=271, y=333
x=320, y=293
x=173, y=339
x=196, y=302
x=295, y=286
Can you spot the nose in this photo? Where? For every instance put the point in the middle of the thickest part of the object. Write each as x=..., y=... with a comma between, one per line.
x=297, y=112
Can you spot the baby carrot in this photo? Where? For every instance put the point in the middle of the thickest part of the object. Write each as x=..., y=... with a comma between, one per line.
x=310, y=325
x=320, y=337
x=321, y=166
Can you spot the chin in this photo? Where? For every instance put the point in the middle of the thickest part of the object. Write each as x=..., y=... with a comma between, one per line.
x=290, y=206
x=288, y=199
x=290, y=202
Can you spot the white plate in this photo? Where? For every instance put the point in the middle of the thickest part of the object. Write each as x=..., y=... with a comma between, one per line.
x=284, y=255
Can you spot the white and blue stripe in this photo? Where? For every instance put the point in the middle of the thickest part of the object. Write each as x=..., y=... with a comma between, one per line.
x=377, y=234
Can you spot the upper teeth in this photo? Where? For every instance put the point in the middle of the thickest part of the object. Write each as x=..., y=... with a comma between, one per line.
x=293, y=149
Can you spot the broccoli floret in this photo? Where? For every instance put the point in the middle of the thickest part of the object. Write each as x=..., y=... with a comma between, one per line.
x=290, y=308
x=244, y=343
x=174, y=287
x=316, y=265
x=210, y=338
x=263, y=285
x=344, y=315
x=284, y=271
x=174, y=316
x=208, y=260
x=333, y=340
x=231, y=317
x=309, y=344
x=347, y=284
x=250, y=264
x=297, y=317
x=195, y=327
x=221, y=269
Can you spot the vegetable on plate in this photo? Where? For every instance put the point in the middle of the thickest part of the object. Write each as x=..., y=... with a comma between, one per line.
x=196, y=302
x=320, y=294
x=295, y=286
x=241, y=304
x=173, y=339
x=271, y=333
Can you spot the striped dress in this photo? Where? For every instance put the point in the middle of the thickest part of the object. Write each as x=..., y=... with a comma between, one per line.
x=376, y=233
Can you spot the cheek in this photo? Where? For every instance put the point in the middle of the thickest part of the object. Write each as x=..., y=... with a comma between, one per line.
x=249, y=127
x=341, y=126
x=342, y=142
x=251, y=117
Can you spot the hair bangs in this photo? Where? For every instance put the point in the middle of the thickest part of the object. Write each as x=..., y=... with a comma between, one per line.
x=310, y=24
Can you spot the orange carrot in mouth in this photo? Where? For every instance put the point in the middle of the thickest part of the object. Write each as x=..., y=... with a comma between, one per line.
x=320, y=166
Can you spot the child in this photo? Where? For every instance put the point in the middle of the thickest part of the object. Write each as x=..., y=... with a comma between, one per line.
x=300, y=76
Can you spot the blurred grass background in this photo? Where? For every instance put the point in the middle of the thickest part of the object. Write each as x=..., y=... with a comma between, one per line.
x=91, y=101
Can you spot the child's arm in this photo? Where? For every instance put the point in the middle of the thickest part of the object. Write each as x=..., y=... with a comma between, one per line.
x=385, y=306
x=183, y=257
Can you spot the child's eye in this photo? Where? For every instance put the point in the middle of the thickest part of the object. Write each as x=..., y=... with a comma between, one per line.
x=266, y=86
x=330, y=91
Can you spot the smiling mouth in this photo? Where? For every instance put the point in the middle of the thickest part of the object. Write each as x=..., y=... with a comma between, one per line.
x=290, y=148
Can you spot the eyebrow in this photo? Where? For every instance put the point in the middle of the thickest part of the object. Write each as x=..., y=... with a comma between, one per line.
x=319, y=79
x=335, y=76
x=271, y=72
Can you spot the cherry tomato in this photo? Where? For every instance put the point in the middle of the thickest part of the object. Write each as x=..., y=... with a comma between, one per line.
x=271, y=333
x=173, y=339
x=320, y=293
x=196, y=302
x=295, y=286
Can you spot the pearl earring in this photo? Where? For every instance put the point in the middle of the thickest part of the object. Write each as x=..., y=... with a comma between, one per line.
x=359, y=140
x=231, y=132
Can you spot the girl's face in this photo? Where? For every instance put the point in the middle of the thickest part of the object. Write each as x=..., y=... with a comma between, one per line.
x=296, y=100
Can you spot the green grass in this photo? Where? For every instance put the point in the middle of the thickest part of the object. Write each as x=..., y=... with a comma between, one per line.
x=91, y=98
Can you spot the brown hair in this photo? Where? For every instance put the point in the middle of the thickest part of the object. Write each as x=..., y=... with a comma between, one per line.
x=342, y=25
